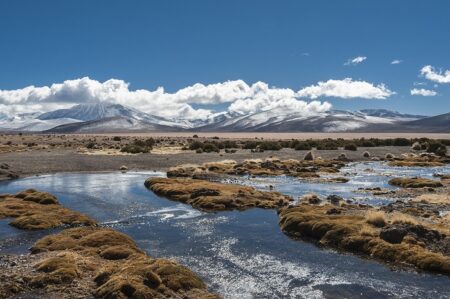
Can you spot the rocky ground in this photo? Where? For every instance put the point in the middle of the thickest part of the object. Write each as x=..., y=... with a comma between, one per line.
x=43, y=154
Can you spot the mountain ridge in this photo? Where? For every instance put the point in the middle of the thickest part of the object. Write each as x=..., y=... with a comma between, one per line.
x=109, y=117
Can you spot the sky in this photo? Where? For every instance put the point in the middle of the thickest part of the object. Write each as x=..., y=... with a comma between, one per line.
x=190, y=59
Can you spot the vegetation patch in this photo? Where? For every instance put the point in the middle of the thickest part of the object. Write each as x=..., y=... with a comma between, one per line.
x=209, y=196
x=99, y=262
x=414, y=183
x=139, y=146
x=34, y=210
x=369, y=232
x=270, y=166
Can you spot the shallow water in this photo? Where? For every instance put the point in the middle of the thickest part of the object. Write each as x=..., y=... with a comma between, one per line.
x=239, y=254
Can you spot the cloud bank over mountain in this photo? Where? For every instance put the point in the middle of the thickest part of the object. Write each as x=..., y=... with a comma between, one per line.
x=241, y=97
x=346, y=89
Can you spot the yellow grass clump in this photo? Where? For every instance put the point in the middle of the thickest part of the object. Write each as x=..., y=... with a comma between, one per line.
x=376, y=218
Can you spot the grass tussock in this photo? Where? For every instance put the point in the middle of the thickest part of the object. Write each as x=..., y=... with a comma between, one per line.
x=108, y=264
x=401, y=218
x=34, y=210
x=414, y=183
x=376, y=218
x=349, y=231
x=260, y=167
x=209, y=196
x=433, y=198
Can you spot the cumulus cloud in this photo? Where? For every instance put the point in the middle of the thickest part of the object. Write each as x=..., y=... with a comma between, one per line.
x=436, y=76
x=355, y=61
x=396, y=61
x=423, y=92
x=346, y=89
x=243, y=98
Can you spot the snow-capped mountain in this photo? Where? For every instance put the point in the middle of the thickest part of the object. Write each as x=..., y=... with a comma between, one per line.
x=106, y=117
x=88, y=112
x=283, y=120
x=383, y=113
x=82, y=113
x=113, y=124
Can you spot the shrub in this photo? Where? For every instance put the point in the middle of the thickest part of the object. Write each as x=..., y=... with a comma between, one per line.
x=437, y=148
x=90, y=145
x=401, y=142
x=229, y=144
x=135, y=149
x=195, y=145
x=328, y=145
x=117, y=138
x=270, y=146
x=250, y=145
x=210, y=147
x=350, y=147
x=303, y=146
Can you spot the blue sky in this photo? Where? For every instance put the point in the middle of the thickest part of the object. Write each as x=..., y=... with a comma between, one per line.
x=175, y=44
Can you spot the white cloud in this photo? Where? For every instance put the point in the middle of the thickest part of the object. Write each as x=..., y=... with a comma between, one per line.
x=396, y=61
x=423, y=92
x=243, y=98
x=436, y=76
x=346, y=89
x=356, y=60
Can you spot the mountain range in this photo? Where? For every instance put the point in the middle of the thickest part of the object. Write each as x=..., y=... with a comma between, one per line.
x=106, y=117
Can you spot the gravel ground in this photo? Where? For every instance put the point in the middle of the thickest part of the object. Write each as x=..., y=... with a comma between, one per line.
x=61, y=160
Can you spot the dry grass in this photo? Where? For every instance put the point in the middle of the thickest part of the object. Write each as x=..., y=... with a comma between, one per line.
x=34, y=210
x=209, y=196
x=108, y=264
x=415, y=164
x=376, y=218
x=414, y=183
x=259, y=167
x=401, y=218
x=369, y=231
x=443, y=198
x=350, y=231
